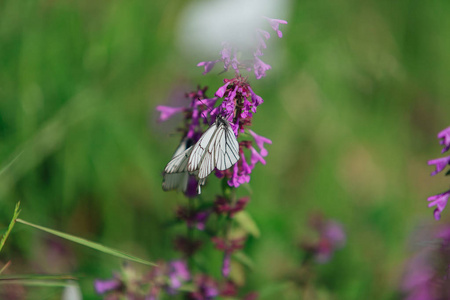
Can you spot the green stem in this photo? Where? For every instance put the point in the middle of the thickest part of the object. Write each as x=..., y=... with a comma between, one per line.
x=11, y=225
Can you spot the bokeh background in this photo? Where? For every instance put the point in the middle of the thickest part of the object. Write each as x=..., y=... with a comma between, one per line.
x=357, y=93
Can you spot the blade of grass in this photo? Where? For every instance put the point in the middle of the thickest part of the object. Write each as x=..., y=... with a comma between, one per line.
x=33, y=282
x=3, y=279
x=38, y=280
x=89, y=244
x=5, y=267
x=11, y=225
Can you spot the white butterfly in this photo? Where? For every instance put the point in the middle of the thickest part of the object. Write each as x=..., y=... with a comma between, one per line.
x=216, y=148
x=177, y=180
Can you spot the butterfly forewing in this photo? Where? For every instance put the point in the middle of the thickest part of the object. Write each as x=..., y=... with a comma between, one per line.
x=197, y=155
x=226, y=149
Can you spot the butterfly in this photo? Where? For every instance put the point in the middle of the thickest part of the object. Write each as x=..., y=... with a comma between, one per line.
x=216, y=148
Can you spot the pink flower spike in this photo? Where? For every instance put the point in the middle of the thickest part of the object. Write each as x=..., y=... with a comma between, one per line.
x=440, y=201
x=209, y=65
x=440, y=163
x=167, y=111
x=260, y=141
x=275, y=23
x=221, y=91
x=445, y=136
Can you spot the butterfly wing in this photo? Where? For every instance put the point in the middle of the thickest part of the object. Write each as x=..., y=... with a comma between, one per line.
x=179, y=163
x=226, y=148
x=197, y=156
x=175, y=181
x=175, y=174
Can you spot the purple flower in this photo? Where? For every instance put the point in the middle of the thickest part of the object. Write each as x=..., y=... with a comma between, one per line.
x=440, y=201
x=262, y=36
x=229, y=57
x=206, y=288
x=426, y=273
x=331, y=237
x=445, y=136
x=191, y=189
x=178, y=273
x=226, y=266
x=257, y=100
x=222, y=206
x=104, y=286
x=260, y=141
x=192, y=217
x=440, y=163
x=256, y=157
x=260, y=68
x=334, y=232
x=275, y=23
x=167, y=111
x=209, y=65
x=221, y=91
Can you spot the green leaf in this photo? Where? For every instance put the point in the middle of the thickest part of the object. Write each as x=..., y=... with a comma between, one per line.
x=89, y=244
x=11, y=225
x=247, y=223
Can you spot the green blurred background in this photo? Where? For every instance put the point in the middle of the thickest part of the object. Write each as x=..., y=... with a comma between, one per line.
x=357, y=93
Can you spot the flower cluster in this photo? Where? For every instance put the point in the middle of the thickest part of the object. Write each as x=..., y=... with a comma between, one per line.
x=238, y=105
x=427, y=273
x=168, y=279
x=440, y=200
x=330, y=237
x=230, y=55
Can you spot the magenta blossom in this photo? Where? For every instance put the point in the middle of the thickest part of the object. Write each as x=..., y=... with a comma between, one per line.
x=440, y=201
x=275, y=23
x=260, y=141
x=104, y=286
x=223, y=205
x=445, y=136
x=440, y=163
x=426, y=274
x=167, y=112
x=178, y=274
x=206, y=288
x=331, y=237
x=193, y=218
